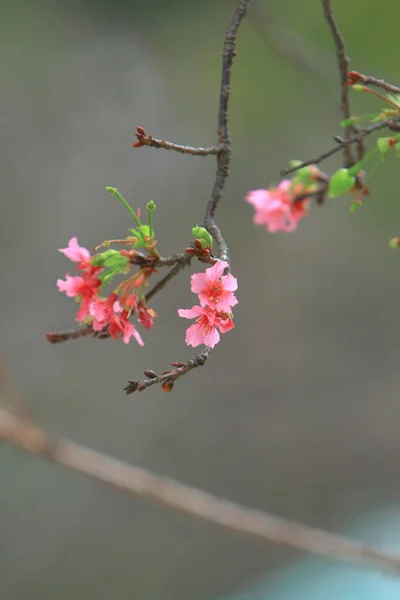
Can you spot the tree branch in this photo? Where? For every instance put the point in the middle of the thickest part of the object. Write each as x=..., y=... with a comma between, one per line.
x=343, y=142
x=188, y=500
x=356, y=77
x=224, y=156
x=144, y=139
x=343, y=63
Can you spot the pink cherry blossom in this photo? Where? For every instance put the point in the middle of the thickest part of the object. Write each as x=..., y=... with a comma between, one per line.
x=214, y=289
x=84, y=288
x=204, y=330
x=102, y=311
x=274, y=207
x=75, y=252
x=106, y=312
x=120, y=325
x=72, y=286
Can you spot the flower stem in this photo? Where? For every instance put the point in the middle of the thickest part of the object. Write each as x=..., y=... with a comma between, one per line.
x=117, y=194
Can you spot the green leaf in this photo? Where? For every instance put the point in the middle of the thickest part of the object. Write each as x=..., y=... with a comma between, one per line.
x=383, y=145
x=340, y=183
x=143, y=232
x=351, y=121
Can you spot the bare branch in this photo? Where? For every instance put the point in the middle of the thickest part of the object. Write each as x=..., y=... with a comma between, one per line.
x=343, y=63
x=144, y=139
x=168, y=378
x=344, y=142
x=56, y=337
x=224, y=156
x=170, y=275
x=356, y=77
x=191, y=501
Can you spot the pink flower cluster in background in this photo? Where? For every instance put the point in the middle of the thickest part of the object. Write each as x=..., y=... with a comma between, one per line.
x=100, y=312
x=275, y=208
x=213, y=315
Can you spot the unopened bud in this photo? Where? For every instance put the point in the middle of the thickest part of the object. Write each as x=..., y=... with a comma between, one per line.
x=200, y=233
x=150, y=374
x=151, y=206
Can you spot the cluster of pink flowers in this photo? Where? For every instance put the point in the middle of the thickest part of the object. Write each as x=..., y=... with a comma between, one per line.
x=101, y=312
x=216, y=297
x=276, y=209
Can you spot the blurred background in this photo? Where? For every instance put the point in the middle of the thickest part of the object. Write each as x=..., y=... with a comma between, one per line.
x=297, y=411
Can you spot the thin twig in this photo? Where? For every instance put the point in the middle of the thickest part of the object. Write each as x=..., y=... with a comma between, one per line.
x=144, y=139
x=224, y=157
x=56, y=337
x=191, y=501
x=186, y=258
x=356, y=77
x=168, y=378
x=343, y=63
x=344, y=142
x=295, y=47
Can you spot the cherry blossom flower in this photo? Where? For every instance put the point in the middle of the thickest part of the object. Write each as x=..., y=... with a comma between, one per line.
x=76, y=253
x=106, y=312
x=146, y=315
x=275, y=207
x=85, y=289
x=214, y=289
x=120, y=325
x=205, y=329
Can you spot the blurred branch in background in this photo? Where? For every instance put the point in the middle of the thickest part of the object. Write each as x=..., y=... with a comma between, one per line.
x=291, y=44
x=167, y=492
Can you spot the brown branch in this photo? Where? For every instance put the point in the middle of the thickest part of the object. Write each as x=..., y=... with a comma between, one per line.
x=344, y=142
x=56, y=337
x=343, y=63
x=191, y=501
x=186, y=258
x=168, y=378
x=224, y=156
x=144, y=139
x=356, y=77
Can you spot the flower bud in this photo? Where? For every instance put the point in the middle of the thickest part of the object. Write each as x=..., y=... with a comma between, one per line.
x=340, y=183
x=200, y=233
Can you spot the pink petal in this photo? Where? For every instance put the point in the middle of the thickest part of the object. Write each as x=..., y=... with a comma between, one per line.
x=258, y=198
x=193, y=336
x=72, y=286
x=284, y=185
x=225, y=325
x=75, y=252
x=215, y=272
x=226, y=302
x=230, y=282
x=129, y=331
x=198, y=282
x=191, y=313
x=212, y=338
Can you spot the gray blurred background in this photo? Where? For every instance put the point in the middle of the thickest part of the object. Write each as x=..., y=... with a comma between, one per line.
x=297, y=412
